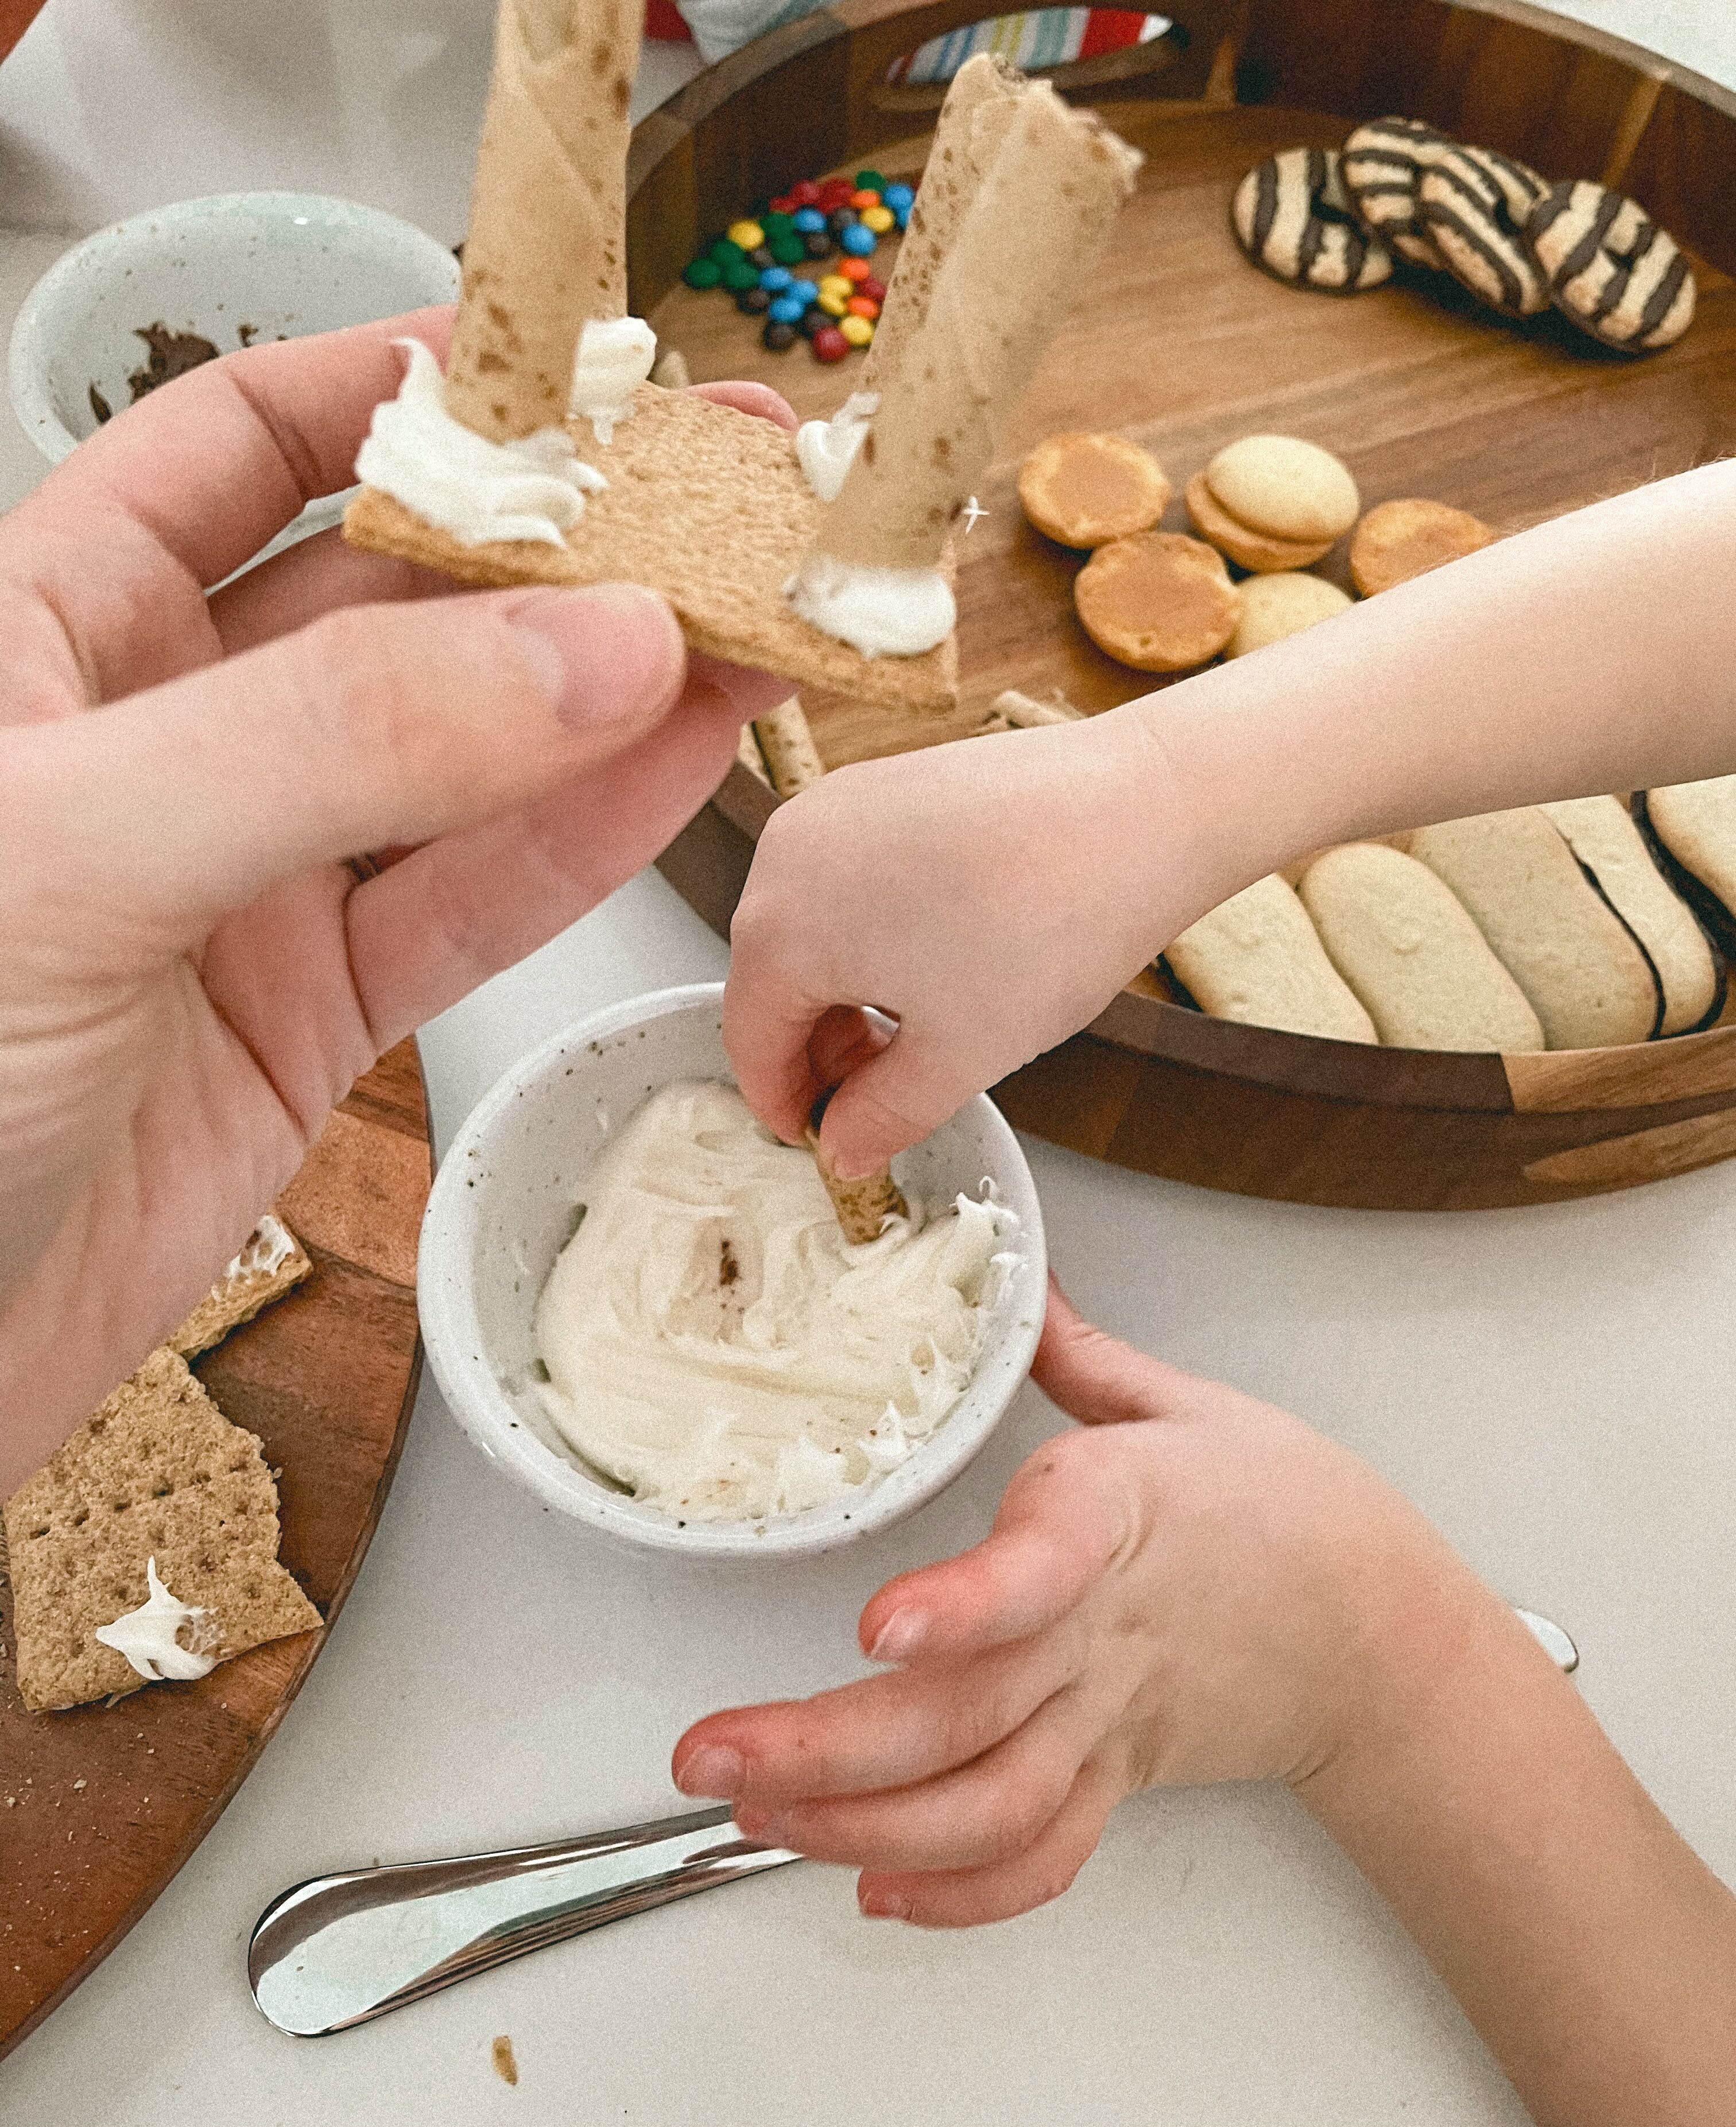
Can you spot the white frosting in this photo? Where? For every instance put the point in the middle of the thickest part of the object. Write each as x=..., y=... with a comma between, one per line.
x=448, y=475
x=715, y=1344
x=826, y=450
x=267, y=1249
x=882, y=613
x=613, y=358
x=148, y=1636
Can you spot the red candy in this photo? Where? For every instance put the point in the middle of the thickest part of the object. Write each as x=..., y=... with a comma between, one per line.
x=867, y=284
x=833, y=194
x=829, y=344
x=805, y=194
x=854, y=269
x=787, y=205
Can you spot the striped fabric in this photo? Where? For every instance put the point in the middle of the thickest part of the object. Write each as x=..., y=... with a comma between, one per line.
x=1046, y=37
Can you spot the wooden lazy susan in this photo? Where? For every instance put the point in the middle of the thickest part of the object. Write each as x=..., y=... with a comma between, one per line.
x=1180, y=344
x=99, y=1807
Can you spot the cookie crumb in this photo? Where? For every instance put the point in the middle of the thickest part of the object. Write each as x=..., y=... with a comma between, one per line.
x=505, y=2066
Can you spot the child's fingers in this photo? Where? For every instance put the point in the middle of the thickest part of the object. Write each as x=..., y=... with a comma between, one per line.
x=1095, y=1377
x=1064, y=1520
x=885, y=1732
x=972, y=1897
x=759, y=400
x=985, y=1811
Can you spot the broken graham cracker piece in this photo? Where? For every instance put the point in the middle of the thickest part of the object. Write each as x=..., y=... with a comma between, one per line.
x=546, y=250
x=865, y=1205
x=708, y=506
x=270, y=1263
x=157, y=1471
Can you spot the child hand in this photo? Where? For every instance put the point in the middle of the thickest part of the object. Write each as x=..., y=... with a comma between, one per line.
x=1197, y=1588
x=991, y=895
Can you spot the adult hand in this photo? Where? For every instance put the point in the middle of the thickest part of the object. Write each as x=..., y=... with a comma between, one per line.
x=1196, y=1588
x=195, y=973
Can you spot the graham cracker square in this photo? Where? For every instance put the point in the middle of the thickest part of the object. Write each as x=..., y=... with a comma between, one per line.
x=157, y=1471
x=708, y=506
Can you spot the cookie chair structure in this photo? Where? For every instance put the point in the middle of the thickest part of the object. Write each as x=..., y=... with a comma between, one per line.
x=1181, y=345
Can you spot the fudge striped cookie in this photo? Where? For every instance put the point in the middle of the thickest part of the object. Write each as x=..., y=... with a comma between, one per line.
x=1381, y=164
x=1610, y=267
x=1293, y=216
x=1475, y=203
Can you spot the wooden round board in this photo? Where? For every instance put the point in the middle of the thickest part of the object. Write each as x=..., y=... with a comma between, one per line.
x=1183, y=345
x=99, y=1807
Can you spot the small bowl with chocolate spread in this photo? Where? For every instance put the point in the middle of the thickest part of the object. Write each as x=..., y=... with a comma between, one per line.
x=139, y=304
x=639, y=1301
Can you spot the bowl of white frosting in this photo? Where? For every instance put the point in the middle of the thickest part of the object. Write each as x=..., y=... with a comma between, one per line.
x=641, y=1303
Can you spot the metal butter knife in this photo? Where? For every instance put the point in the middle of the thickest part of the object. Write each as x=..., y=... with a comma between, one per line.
x=339, y=1951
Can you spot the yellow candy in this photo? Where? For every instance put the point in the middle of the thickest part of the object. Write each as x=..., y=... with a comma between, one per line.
x=857, y=331
x=837, y=284
x=831, y=302
x=879, y=219
x=749, y=234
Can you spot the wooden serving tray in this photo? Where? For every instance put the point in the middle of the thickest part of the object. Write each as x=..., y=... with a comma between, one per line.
x=100, y=1806
x=1183, y=345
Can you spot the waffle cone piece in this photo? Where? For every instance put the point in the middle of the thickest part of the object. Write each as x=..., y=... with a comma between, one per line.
x=546, y=250
x=1030, y=235
x=973, y=124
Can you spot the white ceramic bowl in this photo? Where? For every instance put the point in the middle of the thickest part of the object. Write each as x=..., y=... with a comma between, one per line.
x=503, y=1208
x=281, y=263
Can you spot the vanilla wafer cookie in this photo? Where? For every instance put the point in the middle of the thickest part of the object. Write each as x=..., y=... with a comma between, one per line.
x=1578, y=965
x=1258, y=959
x=1611, y=268
x=1420, y=968
x=1293, y=216
x=1382, y=164
x=1473, y=204
x=1602, y=833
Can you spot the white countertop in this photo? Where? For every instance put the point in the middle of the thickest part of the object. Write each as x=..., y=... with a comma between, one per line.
x=1550, y=1386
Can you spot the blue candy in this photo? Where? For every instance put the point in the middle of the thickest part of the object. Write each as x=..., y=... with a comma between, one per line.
x=807, y=220
x=805, y=292
x=775, y=279
x=903, y=214
x=787, y=311
x=900, y=198
x=858, y=241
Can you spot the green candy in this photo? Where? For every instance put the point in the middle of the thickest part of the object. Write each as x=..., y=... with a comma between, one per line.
x=870, y=181
x=788, y=250
x=703, y=274
x=739, y=276
x=774, y=223
x=725, y=254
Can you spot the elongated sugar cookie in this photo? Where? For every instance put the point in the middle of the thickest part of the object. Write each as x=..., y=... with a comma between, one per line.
x=1602, y=833
x=1421, y=969
x=1588, y=981
x=1257, y=959
x=1696, y=823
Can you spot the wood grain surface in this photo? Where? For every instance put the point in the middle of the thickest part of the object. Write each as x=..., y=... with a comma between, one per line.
x=100, y=1806
x=1182, y=345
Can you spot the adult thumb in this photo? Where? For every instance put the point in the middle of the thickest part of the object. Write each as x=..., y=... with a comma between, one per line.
x=374, y=725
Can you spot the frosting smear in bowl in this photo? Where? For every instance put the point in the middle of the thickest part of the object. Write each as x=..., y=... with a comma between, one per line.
x=715, y=1346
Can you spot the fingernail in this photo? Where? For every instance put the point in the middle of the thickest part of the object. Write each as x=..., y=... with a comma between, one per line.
x=899, y=1637
x=883, y=1906
x=609, y=655
x=713, y=1769
x=752, y=694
